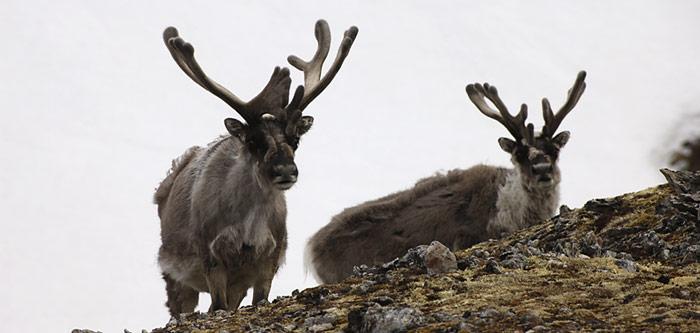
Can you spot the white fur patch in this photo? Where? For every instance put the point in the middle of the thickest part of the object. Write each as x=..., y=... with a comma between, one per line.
x=187, y=271
x=256, y=232
x=511, y=204
x=519, y=207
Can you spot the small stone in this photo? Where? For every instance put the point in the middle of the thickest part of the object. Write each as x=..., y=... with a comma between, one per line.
x=439, y=259
x=378, y=319
x=488, y=313
x=555, y=263
x=481, y=254
x=681, y=293
x=492, y=267
x=564, y=209
x=320, y=328
x=665, y=279
x=530, y=319
x=627, y=265
x=383, y=300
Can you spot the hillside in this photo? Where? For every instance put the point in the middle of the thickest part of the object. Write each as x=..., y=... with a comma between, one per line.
x=625, y=263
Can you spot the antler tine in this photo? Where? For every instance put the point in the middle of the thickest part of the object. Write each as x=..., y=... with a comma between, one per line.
x=183, y=54
x=514, y=125
x=313, y=83
x=552, y=121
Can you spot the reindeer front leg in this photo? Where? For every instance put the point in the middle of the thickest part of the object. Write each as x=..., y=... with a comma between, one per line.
x=261, y=289
x=217, y=282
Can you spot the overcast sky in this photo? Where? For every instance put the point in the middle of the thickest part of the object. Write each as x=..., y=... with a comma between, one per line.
x=94, y=109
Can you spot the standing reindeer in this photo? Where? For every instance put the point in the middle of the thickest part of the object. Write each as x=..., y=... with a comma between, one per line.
x=460, y=208
x=222, y=208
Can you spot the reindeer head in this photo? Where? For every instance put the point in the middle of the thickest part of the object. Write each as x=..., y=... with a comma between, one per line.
x=273, y=125
x=533, y=154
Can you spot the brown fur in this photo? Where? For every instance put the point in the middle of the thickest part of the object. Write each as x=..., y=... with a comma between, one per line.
x=453, y=209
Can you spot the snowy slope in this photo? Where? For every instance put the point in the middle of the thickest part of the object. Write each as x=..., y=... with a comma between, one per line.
x=93, y=110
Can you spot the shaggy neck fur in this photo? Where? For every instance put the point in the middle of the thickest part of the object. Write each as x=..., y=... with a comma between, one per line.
x=519, y=206
x=231, y=168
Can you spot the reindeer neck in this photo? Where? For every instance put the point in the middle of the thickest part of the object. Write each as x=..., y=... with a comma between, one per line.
x=230, y=162
x=519, y=206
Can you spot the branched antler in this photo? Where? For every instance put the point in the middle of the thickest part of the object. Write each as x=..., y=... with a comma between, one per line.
x=313, y=83
x=551, y=120
x=514, y=124
x=274, y=95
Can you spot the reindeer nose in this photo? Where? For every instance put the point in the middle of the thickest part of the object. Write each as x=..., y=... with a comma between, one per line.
x=289, y=170
x=541, y=168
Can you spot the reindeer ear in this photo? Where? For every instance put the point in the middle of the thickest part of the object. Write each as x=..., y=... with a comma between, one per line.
x=304, y=124
x=235, y=127
x=507, y=145
x=561, y=139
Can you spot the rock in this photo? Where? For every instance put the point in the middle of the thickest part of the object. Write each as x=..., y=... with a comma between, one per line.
x=377, y=319
x=590, y=245
x=320, y=328
x=683, y=182
x=468, y=263
x=512, y=258
x=320, y=321
x=383, y=300
x=627, y=265
x=530, y=319
x=488, y=313
x=439, y=259
x=492, y=267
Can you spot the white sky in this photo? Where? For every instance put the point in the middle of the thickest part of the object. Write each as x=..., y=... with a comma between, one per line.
x=93, y=110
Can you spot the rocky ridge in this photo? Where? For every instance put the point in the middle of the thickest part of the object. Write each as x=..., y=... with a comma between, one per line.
x=628, y=263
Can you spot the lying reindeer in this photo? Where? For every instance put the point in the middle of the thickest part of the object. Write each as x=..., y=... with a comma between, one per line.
x=460, y=208
x=222, y=207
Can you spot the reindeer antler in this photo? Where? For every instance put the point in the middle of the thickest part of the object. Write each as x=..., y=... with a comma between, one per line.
x=552, y=121
x=515, y=125
x=274, y=95
x=313, y=83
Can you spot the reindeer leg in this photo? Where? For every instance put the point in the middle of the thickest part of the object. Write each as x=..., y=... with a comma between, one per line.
x=181, y=298
x=261, y=289
x=235, y=294
x=217, y=282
